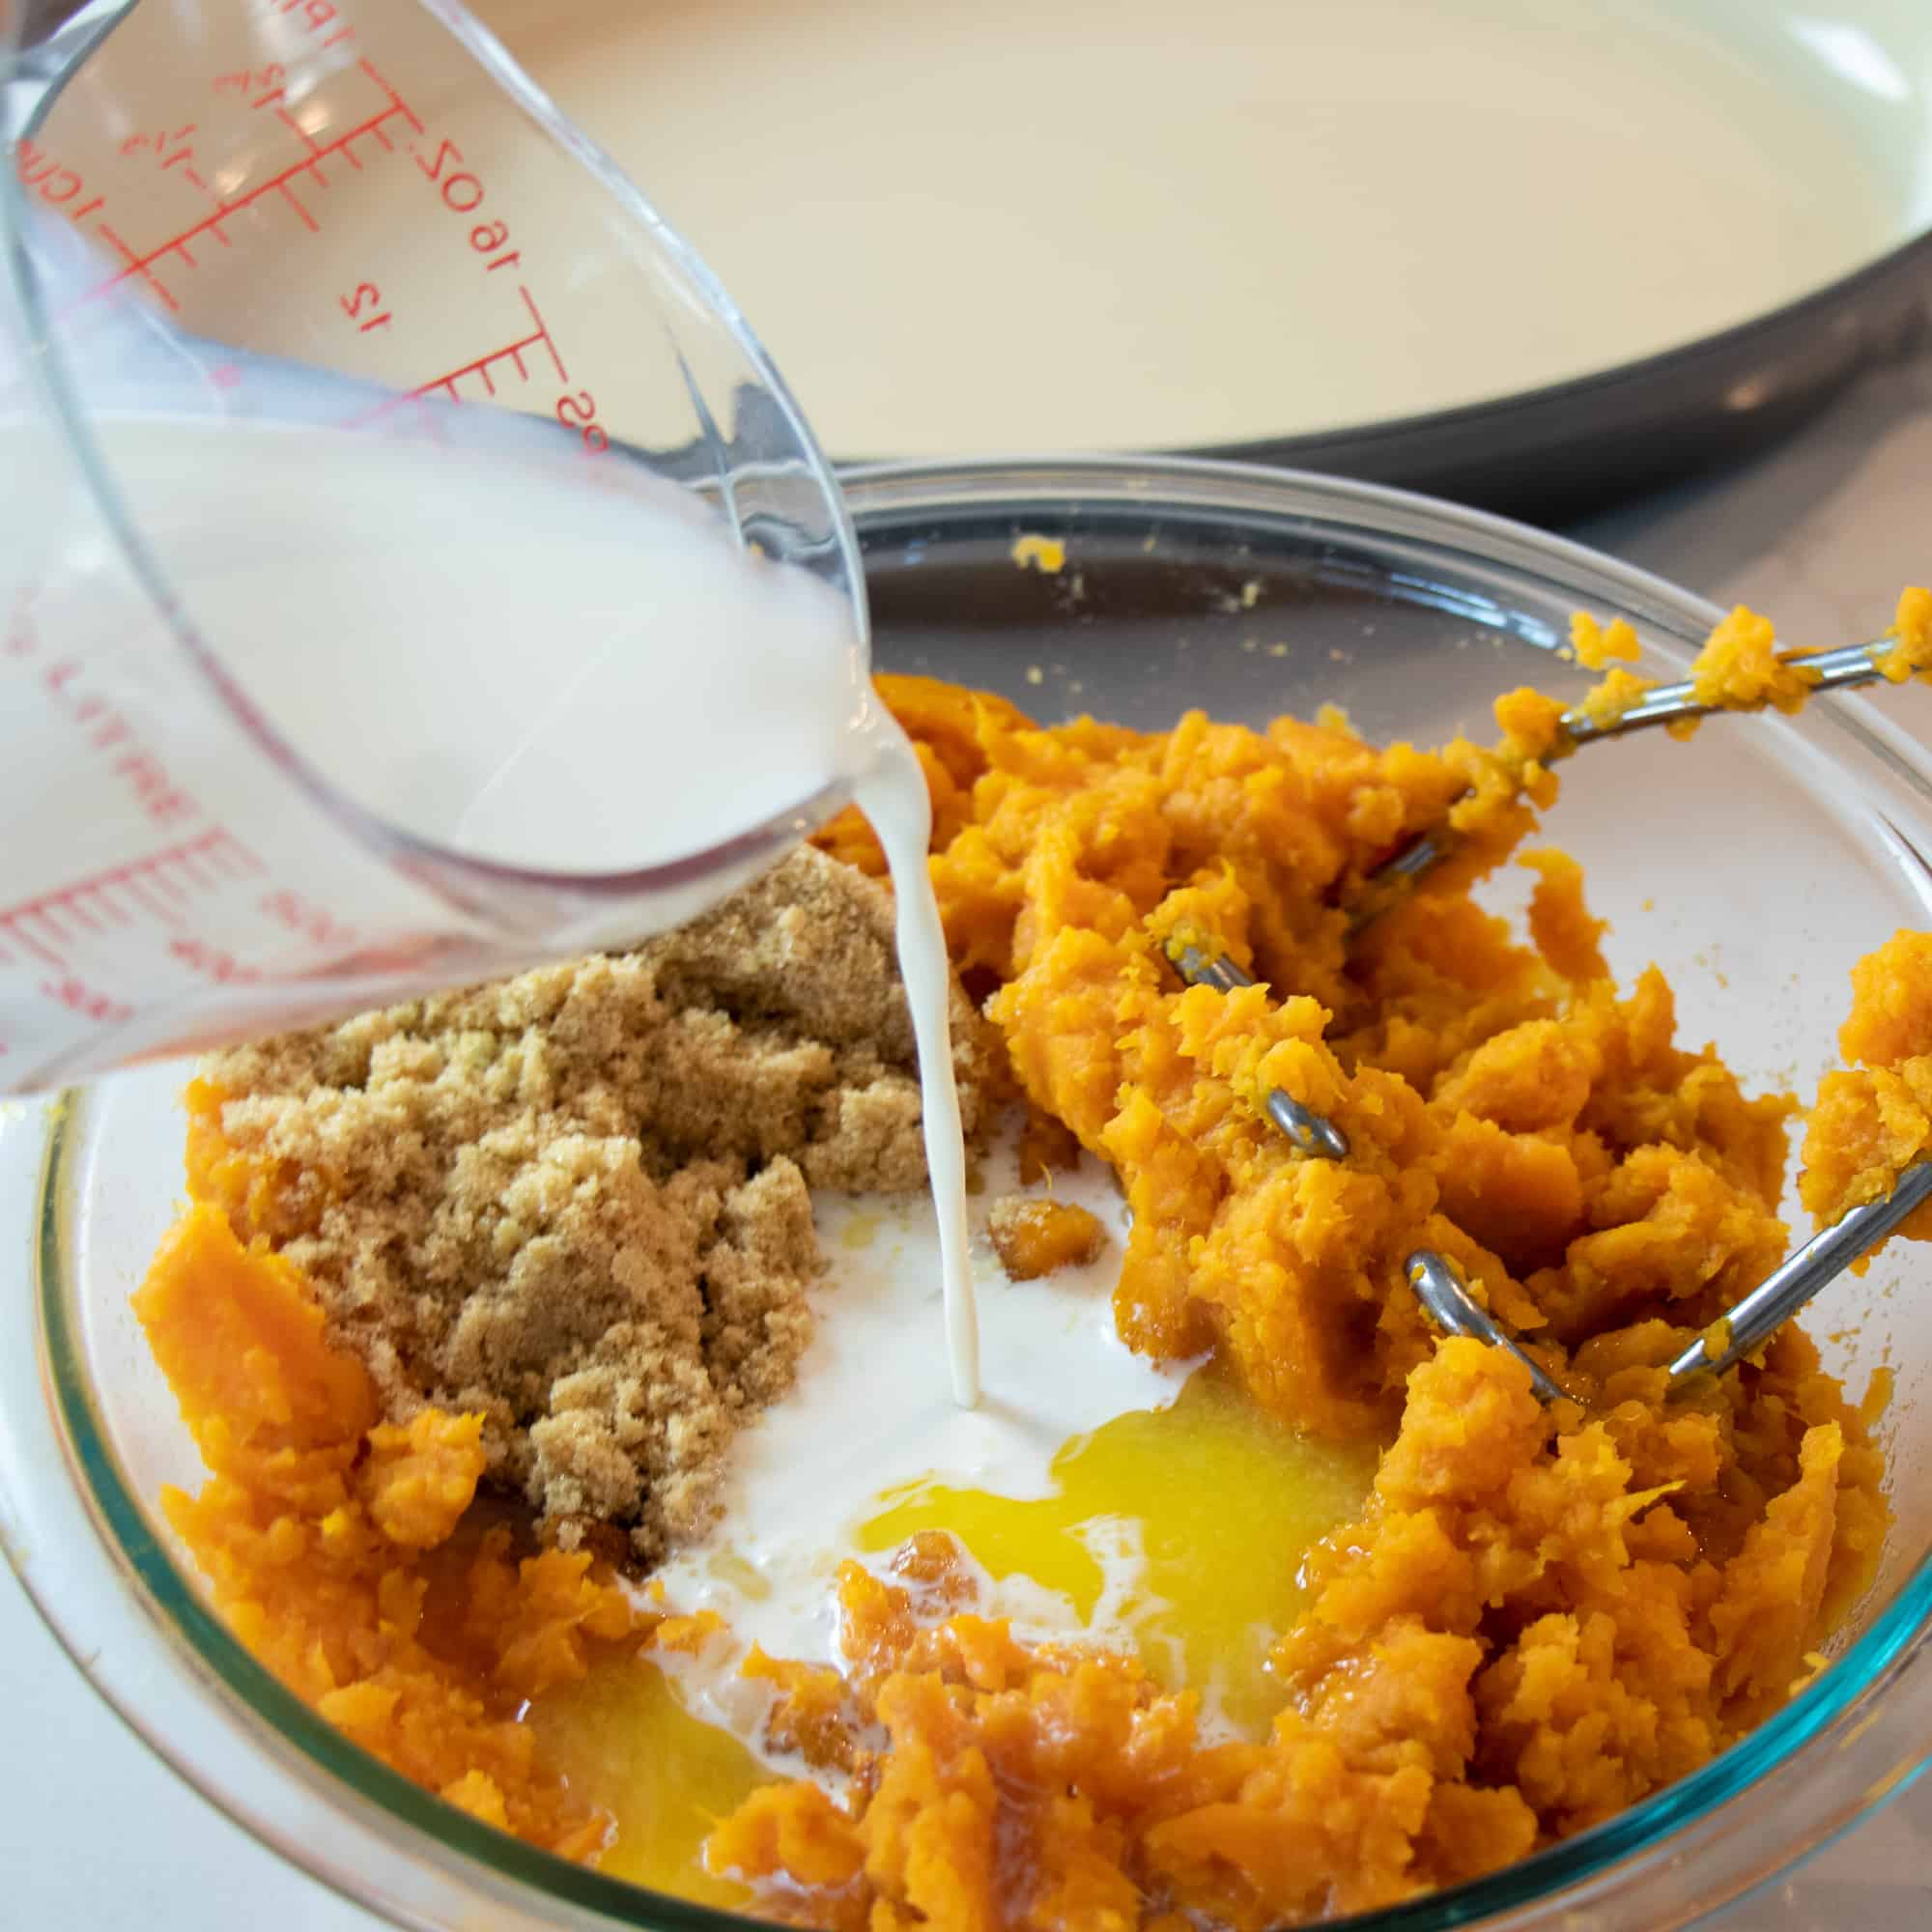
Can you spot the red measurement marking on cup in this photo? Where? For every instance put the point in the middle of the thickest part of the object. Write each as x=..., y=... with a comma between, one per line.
x=58, y=186
x=107, y=733
x=141, y=925
x=500, y=360
x=177, y=249
x=171, y=152
x=392, y=127
x=55, y=928
x=199, y=920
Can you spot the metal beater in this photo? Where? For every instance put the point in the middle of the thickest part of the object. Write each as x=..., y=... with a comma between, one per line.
x=1433, y=1277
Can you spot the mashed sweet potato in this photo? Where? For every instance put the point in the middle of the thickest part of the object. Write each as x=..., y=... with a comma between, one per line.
x=330, y=1539
x=1540, y=1618
x=1875, y=1116
x=1544, y=1614
x=1503, y=1103
x=1540, y=1615
x=1033, y=1237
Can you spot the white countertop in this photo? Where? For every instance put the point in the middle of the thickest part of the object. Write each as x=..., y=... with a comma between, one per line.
x=96, y=1835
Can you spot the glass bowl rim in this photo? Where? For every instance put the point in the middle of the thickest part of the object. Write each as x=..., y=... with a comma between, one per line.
x=346, y=1777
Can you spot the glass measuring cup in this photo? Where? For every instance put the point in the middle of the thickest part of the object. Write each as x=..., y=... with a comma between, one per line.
x=388, y=470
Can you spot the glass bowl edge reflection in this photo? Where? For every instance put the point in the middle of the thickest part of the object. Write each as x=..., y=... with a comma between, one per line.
x=1833, y=1714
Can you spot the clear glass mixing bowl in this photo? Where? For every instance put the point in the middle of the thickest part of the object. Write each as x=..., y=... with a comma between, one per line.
x=1754, y=866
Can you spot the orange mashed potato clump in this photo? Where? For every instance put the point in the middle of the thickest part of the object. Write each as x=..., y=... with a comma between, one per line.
x=1542, y=1615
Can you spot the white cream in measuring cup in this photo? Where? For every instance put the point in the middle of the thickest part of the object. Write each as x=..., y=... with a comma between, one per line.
x=298, y=718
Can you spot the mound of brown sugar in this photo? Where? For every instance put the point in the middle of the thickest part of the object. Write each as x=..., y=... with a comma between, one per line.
x=575, y=1201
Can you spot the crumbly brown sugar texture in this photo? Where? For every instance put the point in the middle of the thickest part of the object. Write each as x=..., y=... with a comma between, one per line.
x=576, y=1202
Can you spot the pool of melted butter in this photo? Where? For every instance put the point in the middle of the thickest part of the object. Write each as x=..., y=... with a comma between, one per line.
x=1218, y=1503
